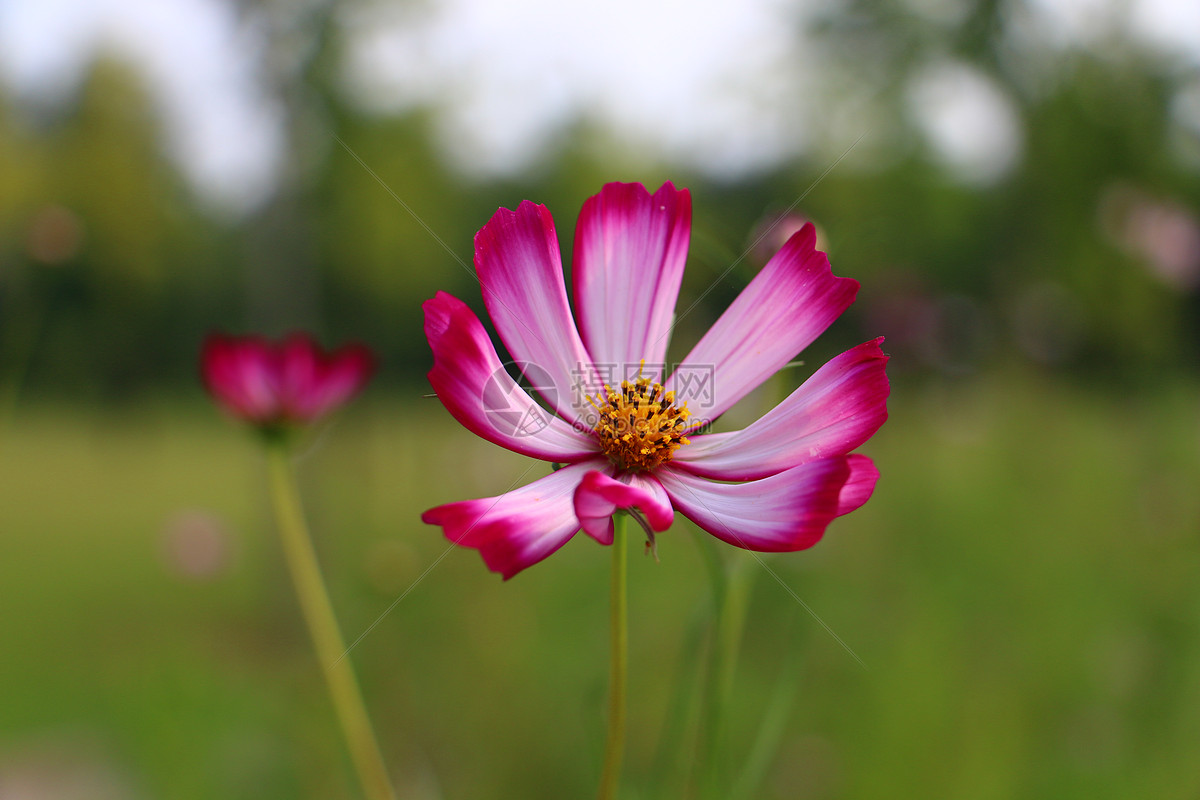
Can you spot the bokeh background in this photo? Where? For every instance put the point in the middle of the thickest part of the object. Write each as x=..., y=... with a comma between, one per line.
x=1016, y=185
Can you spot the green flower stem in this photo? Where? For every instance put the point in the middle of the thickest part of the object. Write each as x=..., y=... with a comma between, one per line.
x=731, y=594
x=770, y=732
x=323, y=627
x=731, y=622
x=614, y=746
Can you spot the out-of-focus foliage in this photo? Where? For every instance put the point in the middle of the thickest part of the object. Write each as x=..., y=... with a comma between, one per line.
x=107, y=267
x=1060, y=257
x=1081, y=253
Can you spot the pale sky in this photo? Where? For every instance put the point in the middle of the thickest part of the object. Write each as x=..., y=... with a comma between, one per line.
x=710, y=82
x=201, y=68
x=718, y=86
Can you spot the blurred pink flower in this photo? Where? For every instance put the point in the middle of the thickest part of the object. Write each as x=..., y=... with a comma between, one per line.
x=1164, y=234
x=274, y=385
x=634, y=444
x=197, y=544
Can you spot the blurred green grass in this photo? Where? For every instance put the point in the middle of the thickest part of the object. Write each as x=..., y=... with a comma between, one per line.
x=1023, y=589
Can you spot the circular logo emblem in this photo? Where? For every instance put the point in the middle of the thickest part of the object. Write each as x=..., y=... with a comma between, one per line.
x=507, y=410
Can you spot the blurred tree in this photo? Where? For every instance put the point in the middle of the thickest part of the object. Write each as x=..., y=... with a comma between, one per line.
x=1023, y=242
x=1088, y=122
x=102, y=242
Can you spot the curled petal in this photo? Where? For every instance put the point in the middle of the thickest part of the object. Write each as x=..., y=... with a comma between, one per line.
x=518, y=528
x=787, y=305
x=520, y=273
x=786, y=511
x=859, y=486
x=475, y=388
x=599, y=496
x=830, y=414
x=630, y=249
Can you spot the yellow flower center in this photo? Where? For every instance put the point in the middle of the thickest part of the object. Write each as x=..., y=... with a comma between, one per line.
x=640, y=426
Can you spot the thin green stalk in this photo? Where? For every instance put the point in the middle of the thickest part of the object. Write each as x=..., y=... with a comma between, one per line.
x=770, y=732
x=715, y=566
x=681, y=726
x=727, y=645
x=731, y=594
x=323, y=627
x=732, y=624
x=614, y=746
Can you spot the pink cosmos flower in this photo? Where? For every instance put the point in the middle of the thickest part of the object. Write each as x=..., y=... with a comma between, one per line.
x=276, y=385
x=633, y=445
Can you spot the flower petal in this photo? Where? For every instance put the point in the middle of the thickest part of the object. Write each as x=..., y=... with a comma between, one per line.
x=777, y=315
x=830, y=414
x=240, y=372
x=600, y=496
x=787, y=511
x=475, y=388
x=313, y=383
x=343, y=374
x=299, y=377
x=520, y=273
x=630, y=248
x=859, y=486
x=518, y=528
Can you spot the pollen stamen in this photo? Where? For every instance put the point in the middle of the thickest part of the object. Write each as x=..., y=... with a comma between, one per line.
x=639, y=426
